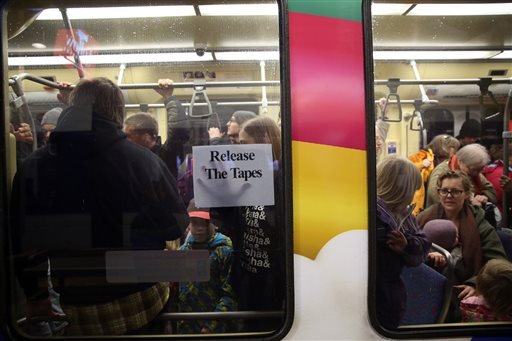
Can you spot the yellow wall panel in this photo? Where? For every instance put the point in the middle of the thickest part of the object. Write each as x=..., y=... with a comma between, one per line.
x=329, y=194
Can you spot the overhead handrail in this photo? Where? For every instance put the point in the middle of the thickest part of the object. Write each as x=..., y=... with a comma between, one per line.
x=392, y=84
x=444, y=81
x=227, y=104
x=142, y=86
x=411, y=101
x=209, y=85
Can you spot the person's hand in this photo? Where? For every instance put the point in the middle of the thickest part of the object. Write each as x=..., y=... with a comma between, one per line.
x=482, y=199
x=437, y=259
x=466, y=291
x=23, y=134
x=165, y=87
x=205, y=330
x=473, y=201
x=396, y=241
x=63, y=95
x=214, y=132
x=426, y=163
x=40, y=308
x=505, y=183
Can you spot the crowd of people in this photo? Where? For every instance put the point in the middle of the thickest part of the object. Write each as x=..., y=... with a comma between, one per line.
x=103, y=181
x=446, y=194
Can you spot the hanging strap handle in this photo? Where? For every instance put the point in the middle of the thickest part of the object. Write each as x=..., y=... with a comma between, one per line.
x=417, y=113
x=484, y=91
x=393, y=84
x=200, y=89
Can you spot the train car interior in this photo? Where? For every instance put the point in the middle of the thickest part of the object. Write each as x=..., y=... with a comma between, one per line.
x=221, y=57
x=436, y=66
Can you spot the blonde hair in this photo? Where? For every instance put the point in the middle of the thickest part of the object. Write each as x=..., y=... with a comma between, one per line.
x=102, y=96
x=456, y=174
x=263, y=129
x=494, y=282
x=441, y=145
x=397, y=180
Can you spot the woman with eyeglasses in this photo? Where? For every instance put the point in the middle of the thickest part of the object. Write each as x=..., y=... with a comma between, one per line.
x=470, y=159
x=478, y=240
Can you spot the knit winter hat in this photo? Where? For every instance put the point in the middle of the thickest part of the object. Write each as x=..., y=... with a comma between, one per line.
x=242, y=116
x=470, y=128
x=441, y=232
x=51, y=116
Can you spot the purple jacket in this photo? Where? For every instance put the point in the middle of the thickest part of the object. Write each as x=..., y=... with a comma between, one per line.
x=391, y=296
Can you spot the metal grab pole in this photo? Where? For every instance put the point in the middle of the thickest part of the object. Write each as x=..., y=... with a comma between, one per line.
x=475, y=81
x=142, y=86
x=506, y=139
x=414, y=66
x=76, y=55
x=208, y=85
x=26, y=115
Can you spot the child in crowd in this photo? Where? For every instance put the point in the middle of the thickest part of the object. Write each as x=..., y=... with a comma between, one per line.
x=493, y=302
x=400, y=242
x=216, y=294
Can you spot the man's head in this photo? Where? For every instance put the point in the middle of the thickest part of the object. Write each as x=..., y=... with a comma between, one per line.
x=142, y=129
x=102, y=96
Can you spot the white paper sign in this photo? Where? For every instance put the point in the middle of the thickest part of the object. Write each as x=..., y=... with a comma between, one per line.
x=233, y=175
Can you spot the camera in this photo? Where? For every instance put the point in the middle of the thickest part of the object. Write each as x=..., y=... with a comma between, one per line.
x=200, y=49
x=200, y=52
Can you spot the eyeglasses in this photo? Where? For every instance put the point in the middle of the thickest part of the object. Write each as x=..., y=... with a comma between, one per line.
x=445, y=191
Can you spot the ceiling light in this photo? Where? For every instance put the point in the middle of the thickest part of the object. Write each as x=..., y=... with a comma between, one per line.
x=503, y=55
x=147, y=58
x=245, y=9
x=38, y=46
x=389, y=9
x=118, y=12
x=433, y=55
x=247, y=55
x=461, y=9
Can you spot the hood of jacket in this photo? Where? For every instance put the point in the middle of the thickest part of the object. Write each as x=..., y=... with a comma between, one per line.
x=81, y=133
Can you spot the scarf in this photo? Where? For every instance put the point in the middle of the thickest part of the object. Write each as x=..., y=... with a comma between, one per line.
x=476, y=181
x=469, y=235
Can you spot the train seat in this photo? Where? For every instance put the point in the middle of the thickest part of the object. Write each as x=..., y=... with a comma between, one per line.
x=505, y=235
x=427, y=301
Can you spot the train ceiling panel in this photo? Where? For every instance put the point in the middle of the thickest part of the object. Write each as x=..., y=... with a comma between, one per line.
x=156, y=34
